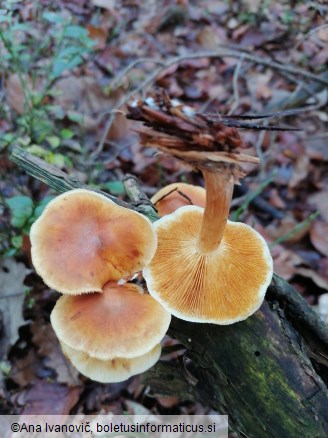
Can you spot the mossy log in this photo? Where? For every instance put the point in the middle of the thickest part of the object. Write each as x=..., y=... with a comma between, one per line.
x=258, y=371
x=268, y=373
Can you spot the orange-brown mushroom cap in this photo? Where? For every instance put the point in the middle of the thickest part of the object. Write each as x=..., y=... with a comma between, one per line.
x=222, y=286
x=113, y=370
x=171, y=197
x=121, y=322
x=83, y=239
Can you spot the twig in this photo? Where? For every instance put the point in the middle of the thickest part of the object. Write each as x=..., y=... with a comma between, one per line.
x=61, y=182
x=299, y=227
x=206, y=54
x=259, y=152
x=139, y=199
x=235, y=85
x=51, y=175
x=308, y=34
x=122, y=102
x=118, y=79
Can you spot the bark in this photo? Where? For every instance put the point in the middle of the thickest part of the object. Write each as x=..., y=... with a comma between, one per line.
x=268, y=373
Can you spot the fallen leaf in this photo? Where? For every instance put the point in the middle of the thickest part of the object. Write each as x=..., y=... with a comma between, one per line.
x=106, y=4
x=46, y=398
x=98, y=35
x=23, y=370
x=12, y=295
x=45, y=339
x=284, y=262
x=316, y=278
x=15, y=93
x=301, y=169
x=135, y=408
x=322, y=307
x=168, y=402
x=84, y=98
x=319, y=201
x=287, y=225
x=319, y=236
x=208, y=38
x=323, y=34
x=323, y=268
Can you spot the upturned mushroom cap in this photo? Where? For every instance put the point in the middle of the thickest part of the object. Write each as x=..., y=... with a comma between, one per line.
x=222, y=286
x=171, y=197
x=121, y=322
x=83, y=239
x=113, y=370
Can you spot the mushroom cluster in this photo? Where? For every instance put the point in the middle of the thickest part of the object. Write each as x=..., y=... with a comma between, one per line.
x=84, y=245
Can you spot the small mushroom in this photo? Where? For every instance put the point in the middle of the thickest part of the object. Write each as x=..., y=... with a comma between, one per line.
x=121, y=322
x=177, y=195
x=83, y=239
x=113, y=370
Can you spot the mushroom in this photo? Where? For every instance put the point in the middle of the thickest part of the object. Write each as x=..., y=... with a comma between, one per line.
x=112, y=370
x=177, y=195
x=83, y=239
x=120, y=322
x=223, y=286
x=205, y=269
x=222, y=269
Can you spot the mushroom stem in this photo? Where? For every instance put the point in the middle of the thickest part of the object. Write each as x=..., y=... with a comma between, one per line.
x=219, y=189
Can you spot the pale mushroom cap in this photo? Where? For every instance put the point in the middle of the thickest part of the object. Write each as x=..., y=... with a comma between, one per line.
x=83, y=239
x=120, y=322
x=221, y=287
x=171, y=197
x=113, y=370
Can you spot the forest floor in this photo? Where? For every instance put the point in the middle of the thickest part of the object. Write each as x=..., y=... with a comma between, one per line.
x=65, y=70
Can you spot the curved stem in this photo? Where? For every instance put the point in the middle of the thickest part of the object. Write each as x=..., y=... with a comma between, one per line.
x=219, y=189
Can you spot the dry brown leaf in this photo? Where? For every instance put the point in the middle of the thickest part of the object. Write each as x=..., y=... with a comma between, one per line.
x=316, y=278
x=46, y=398
x=106, y=4
x=320, y=202
x=285, y=262
x=85, y=97
x=319, y=236
x=286, y=225
x=46, y=341
x=23, y=370
x=323, y=34
x=323, y=268
x=168, y=402
x=209, y=39
x=98, y=35
x=135, y=408
x=322, y=307
x=15, y=93
x=12, y=295
x=301, y=170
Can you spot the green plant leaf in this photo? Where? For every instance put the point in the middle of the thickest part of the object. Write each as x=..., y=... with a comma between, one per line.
x=17, y=242
x=75, y=32
x=66, y=134
x=21, y=208
x=41, y=206
x=53, y=17
x=114, y=187
x=54, y=141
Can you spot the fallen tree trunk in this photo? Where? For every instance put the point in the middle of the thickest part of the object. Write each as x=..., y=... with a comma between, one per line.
x=268, y=373
x=258, y=371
